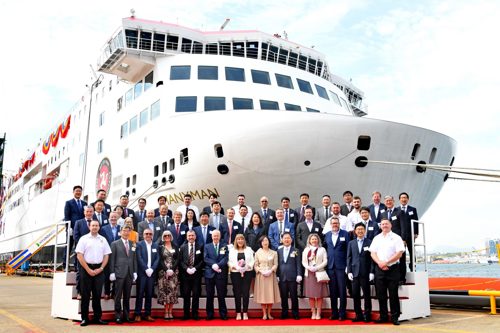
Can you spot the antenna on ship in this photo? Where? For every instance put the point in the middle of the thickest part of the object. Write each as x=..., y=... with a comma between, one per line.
x=224, y=24
x=132, y=13
x=285, y=34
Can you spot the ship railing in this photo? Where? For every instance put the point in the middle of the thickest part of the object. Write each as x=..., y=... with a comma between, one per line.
x=420, y=244
x=65, y=244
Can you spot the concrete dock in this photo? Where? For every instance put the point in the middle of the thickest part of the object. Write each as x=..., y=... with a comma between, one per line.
x=25, y=307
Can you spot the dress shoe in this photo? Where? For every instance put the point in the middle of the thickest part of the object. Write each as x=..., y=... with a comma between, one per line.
x=341, y=318
x=150, y=319
x=223, y=317
x=196, y=317
x=118, y=321
x=395, y=321
x=137, y=319
x=334, y=317
x=84, y=322
x=100, y=322
x=296, y=317
x=357, y=319
x=128, y=320
x=210, y=318
x=185, y=317
x=381, y=321
x=367, y=319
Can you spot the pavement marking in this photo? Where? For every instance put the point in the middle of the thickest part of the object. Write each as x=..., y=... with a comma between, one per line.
x=22, y=322
x=432, y=329
x=452, y=320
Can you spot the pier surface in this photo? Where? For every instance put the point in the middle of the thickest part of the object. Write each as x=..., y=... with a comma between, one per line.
x=25, y=307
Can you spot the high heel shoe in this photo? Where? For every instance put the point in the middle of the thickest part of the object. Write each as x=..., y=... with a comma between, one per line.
x=238, y=316
x=313, y=314
x=318, y=314
x=245, y=316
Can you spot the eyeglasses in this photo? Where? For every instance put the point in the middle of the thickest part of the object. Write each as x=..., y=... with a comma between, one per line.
x=167, y=236
x=263, y=201
x=148, y=233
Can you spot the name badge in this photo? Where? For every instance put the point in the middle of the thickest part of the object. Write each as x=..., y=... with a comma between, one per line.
x=365, y=248
x=235, y=227
x=119, y=234
x=197, y=252
x=271, y=217
x=410, y=213
x=133, y=249
x=105, y=222
x=210, y=232
x=292, y=255
x=394, y=218
x=287, y=229
x=370, y=228
x=172, y=251
x=153, y=250
x=342, y=239
x=382, y=210
x=183, y=232
x=131, y=215
x=292, y=215
x=108, y=210
x=157, y=228
x=316, y=229
x=222, y=252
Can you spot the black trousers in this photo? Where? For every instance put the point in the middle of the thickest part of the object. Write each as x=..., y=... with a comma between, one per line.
x=123, y=287
x=192, y=287
x=388, y=281
x=91, y=286
x=358, y=284
x=241, y=290
x=289, y=288
x=219, y=281
x=108, y=285
x=338, y=291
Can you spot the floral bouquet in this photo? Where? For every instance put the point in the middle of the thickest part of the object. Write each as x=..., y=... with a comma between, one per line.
x=241, y=264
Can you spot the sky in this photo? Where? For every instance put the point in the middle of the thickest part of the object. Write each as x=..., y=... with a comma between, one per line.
x=434, y=64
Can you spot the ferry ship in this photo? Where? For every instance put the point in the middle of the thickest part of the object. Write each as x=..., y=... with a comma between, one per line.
x=174, y=110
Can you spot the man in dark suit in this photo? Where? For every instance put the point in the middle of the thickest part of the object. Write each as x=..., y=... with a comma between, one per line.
x=408, y=213
x=163, y=219
x=360, y=271
x=99, y=213
x=212, y=199
x=267, y=215
x=336, y=242
x=371, y=227
x=73, y=211
x=304, y=203
x=290, y=215
x=203, y=231
x=150, y=223
x=82, y=226
x=178, y=229
x=191, y=265
x=101, y=195
x=323, y=213
x=216, y=257
x=123, y=271
x=289, y=274
x=111, y=232
x=148, y=259
x=306, y=228
x=394, y=215
x=347, y=207
x=278, y=228
x=377, y=209
x=162, y=200
x=140, y=214
x=216, y=217
x=127, y=212
x=230, y=228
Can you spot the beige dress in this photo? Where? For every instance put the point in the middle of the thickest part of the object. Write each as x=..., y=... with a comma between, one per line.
x=266, y=289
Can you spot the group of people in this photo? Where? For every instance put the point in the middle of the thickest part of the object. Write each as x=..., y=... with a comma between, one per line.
x=282, y=254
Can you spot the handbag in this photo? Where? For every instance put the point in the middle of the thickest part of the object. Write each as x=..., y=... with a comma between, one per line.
x=322, y=277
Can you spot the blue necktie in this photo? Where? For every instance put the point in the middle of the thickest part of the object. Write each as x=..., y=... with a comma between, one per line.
x=286, y=216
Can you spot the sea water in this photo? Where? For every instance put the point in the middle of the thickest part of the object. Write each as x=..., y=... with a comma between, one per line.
x=467, y=270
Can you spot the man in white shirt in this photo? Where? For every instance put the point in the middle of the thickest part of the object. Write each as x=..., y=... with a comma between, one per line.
x=92, y=253
x=386, y=249
x=241, y=202
x=354, y=217
x=188, y=198
x=244, y=217
x=335, y=213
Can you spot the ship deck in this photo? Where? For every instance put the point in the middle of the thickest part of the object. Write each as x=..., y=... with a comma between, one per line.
x=25, y=307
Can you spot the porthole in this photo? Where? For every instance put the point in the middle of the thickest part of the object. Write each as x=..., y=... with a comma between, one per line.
x=364, y=142
x=222, y=169
x=421, y=167
x=155, y=184
x=307, y=163
x=361, y=161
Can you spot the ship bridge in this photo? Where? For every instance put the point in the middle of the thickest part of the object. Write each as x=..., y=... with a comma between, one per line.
x=132, y=50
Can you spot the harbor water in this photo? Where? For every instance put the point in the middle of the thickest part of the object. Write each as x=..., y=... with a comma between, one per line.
x=462, y=270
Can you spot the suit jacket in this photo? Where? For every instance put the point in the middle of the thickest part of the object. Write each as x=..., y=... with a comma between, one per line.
x=72, y=212
x=268, y=219
x=289, y=270
x=142, y=257
x=220, y=258
x=104, y=218
x=107, y=232
x=299, y=209
x=138, y=216
x=321, y=260
x=337, y=253
x=293, y=216
x=320, y=215
x=372, y=230
x=119, y=262
x=211, y=220
x=168, y=220
x=303, y=232
x=360, y=264
x=157, y=212
x=157, y=232
x=208, y=210
x=397, y=224
x=178, y=239
x=411, y=214
x=237, y=229
x=381, y=211
x=252, y=237
x=81, y=228
x=199, y=263
x=127, y=212
x=199, y=235
x=274, y=233
x=106, y=210
x=344, y=210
